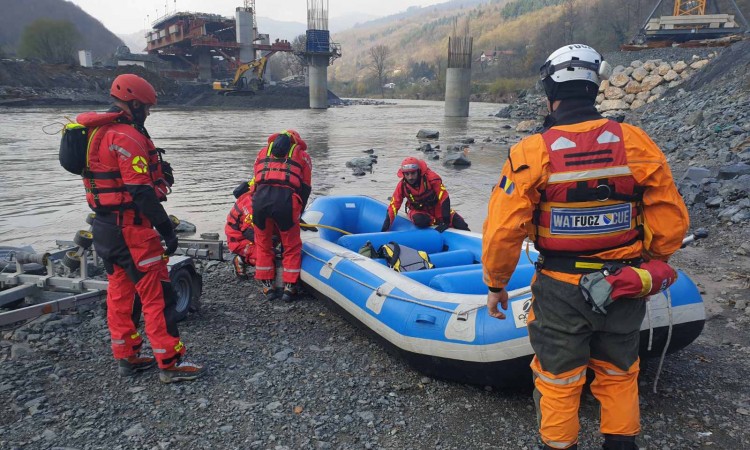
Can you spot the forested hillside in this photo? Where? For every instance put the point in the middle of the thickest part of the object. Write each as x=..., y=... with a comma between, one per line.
x=18, y=14
x=519, y=34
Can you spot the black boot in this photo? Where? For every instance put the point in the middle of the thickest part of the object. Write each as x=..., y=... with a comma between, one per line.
x=619, y=442
x=547, y=447
x=290, y=292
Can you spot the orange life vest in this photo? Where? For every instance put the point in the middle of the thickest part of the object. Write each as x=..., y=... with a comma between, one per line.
x=279, y=171
x=591, y=202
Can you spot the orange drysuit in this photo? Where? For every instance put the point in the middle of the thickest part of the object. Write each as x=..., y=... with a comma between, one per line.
x=517, y=210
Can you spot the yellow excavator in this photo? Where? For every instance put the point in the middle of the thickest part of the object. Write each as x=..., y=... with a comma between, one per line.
x=248, y=79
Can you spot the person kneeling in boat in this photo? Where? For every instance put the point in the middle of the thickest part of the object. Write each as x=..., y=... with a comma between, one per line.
x=239, y=229
x=427, y=200
x=594, y=195
x=283, y=182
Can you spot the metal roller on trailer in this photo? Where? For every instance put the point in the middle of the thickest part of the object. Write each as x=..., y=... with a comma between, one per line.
x=34, y=284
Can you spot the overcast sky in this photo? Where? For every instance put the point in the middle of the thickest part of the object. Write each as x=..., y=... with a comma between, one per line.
x=129, y=16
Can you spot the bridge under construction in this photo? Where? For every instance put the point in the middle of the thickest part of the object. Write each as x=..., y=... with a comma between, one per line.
x=204, y=47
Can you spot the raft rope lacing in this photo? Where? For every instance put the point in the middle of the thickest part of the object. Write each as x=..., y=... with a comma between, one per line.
x=462, y=315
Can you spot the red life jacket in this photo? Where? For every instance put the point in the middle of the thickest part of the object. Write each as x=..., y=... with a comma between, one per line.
x=422, y=197
x=591, y=202
x=240, y=217
x=105, y=189
x=285, y=171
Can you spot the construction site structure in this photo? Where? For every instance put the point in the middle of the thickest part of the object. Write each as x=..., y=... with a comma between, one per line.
x=692, y=20
x=249, y=77
x=203, y=46
x=458, y=73
x=319, y=52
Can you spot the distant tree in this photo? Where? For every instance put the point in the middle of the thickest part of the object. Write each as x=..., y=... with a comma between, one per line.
x=379, y=62
x=421, y=69
x=52, y=41
x=570, y=21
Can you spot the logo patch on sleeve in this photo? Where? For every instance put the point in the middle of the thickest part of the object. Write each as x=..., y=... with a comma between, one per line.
x=140, y=165
x=506, y=185
x=601, y=220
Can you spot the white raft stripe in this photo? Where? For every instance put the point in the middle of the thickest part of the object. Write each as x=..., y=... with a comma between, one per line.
x=502, y=351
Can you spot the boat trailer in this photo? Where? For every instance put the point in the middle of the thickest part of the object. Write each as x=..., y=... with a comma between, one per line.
x=35, y=284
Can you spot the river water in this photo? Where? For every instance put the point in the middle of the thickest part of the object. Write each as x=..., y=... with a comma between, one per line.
x=211, y=151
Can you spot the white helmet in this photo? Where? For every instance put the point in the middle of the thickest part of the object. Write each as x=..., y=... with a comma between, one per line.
x=575, y=62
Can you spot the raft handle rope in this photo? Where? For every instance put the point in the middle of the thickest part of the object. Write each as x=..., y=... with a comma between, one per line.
x=463, y=315
x=329, y=227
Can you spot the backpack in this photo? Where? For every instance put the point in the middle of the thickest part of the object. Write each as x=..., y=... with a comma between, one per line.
x=368, y=250
x=74, y=147
x=405, y=259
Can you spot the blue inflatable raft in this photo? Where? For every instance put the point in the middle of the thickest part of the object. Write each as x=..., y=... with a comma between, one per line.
x=436, y=318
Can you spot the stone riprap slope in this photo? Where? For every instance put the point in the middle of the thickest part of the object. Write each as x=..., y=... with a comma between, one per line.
x=644, y=82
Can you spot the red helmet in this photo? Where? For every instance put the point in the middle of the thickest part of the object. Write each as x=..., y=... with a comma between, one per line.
x=409, y=164
x=128, y=87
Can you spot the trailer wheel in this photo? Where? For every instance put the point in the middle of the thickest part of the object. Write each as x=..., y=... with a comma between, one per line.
x=84, y=239
x=182, y=282
x=90, y=218
x=71, y=260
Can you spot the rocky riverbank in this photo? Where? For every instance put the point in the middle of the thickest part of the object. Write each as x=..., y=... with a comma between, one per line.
x=297, y=376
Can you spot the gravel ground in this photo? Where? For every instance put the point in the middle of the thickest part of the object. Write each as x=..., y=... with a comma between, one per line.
x=298, y=376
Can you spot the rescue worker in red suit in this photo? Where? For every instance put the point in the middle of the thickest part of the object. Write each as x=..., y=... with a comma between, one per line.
x=124, y=186
x=283, y=182
x=589, y=192
x=427, y=200
x=239, y=229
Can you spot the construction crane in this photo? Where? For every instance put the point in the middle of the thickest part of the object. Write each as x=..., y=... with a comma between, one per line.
x=689, y=21
x=689, y=7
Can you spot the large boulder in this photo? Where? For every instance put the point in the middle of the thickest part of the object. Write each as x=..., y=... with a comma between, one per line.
x=428, y=134
x=456, y=159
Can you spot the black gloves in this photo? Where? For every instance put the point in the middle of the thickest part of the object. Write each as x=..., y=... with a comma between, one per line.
x=249, y=234
x=442, y=226
x=167, y=233
x=166, y=169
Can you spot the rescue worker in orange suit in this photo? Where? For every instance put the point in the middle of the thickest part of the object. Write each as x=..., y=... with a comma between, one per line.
x=427, y=200
x=283, y=182
x=588, y=191
x=239, y=229
x=124, y=183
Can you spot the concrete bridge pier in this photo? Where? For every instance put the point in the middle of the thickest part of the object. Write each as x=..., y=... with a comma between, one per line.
x=204, y=65
x=457, y=92
x=318, y=80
